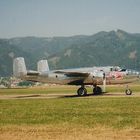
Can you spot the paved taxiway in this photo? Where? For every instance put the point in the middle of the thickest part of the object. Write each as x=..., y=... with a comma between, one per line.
x=49, y=96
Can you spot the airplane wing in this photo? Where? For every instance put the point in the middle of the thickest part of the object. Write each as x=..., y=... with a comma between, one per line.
x=73, y=74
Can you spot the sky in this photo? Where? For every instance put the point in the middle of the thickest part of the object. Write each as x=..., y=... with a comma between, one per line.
x=49, y=18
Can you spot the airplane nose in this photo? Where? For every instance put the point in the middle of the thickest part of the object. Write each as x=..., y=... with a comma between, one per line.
x=92, y=75
x=99, y=74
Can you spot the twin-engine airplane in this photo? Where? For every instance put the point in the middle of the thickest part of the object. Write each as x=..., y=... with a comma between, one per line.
x=79, y=76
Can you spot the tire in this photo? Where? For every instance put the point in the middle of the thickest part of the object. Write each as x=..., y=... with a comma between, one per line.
x=97, y=90
x=82, y=91
x=128, y=91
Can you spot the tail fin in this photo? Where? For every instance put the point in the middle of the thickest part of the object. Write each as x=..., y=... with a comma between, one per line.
x=19, y=67
x=42, y=66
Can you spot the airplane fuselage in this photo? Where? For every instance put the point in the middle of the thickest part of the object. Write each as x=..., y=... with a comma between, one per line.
x=60, y=78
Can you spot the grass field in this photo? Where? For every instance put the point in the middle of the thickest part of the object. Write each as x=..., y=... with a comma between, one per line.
x=69, y=118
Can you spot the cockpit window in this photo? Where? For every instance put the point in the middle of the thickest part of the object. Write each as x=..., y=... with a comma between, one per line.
x=123, y=70
x=111, y=69
x=115, y=68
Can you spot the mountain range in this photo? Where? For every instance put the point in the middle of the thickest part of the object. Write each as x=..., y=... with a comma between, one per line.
x=117, y=48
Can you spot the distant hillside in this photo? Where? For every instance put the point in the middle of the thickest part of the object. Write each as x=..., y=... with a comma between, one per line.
x=44, y=47
x=7, y=53
x=104, y=48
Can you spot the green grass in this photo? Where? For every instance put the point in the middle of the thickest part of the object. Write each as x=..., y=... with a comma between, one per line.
x=121, y=88
x=88, y=112
x=114, y=112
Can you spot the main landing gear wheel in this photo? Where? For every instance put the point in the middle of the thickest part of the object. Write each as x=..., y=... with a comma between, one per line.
x=82, y=91
x=128, y=91
x=97, y=90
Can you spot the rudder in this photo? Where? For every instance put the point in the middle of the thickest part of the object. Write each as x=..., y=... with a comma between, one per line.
x=42, y=66
x=19, y=67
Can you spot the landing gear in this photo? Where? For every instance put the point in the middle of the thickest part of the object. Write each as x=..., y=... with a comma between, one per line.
x=128, y=91
x=97, y=90
x=82, y=91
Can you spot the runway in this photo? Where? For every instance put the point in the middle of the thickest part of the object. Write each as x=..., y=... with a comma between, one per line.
x=66, y=95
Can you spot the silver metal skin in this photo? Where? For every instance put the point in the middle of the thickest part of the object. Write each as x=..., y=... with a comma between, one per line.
x=79, y=76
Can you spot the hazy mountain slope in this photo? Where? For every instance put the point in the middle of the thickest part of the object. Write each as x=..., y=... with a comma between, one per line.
x=104, y=48
x=44, y=47
x=7, y=53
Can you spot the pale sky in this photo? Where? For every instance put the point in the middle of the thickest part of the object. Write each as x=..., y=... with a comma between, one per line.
x=48, y=18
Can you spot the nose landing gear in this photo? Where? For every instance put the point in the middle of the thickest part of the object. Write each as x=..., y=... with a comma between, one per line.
x=128, y=91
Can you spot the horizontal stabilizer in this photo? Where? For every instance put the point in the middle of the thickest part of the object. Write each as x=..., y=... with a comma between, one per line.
x=32, y=73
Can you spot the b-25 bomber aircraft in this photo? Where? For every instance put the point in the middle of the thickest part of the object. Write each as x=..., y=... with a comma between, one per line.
x=79, y=76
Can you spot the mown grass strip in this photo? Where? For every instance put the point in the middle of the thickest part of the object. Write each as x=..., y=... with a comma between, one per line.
x=108, y=112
